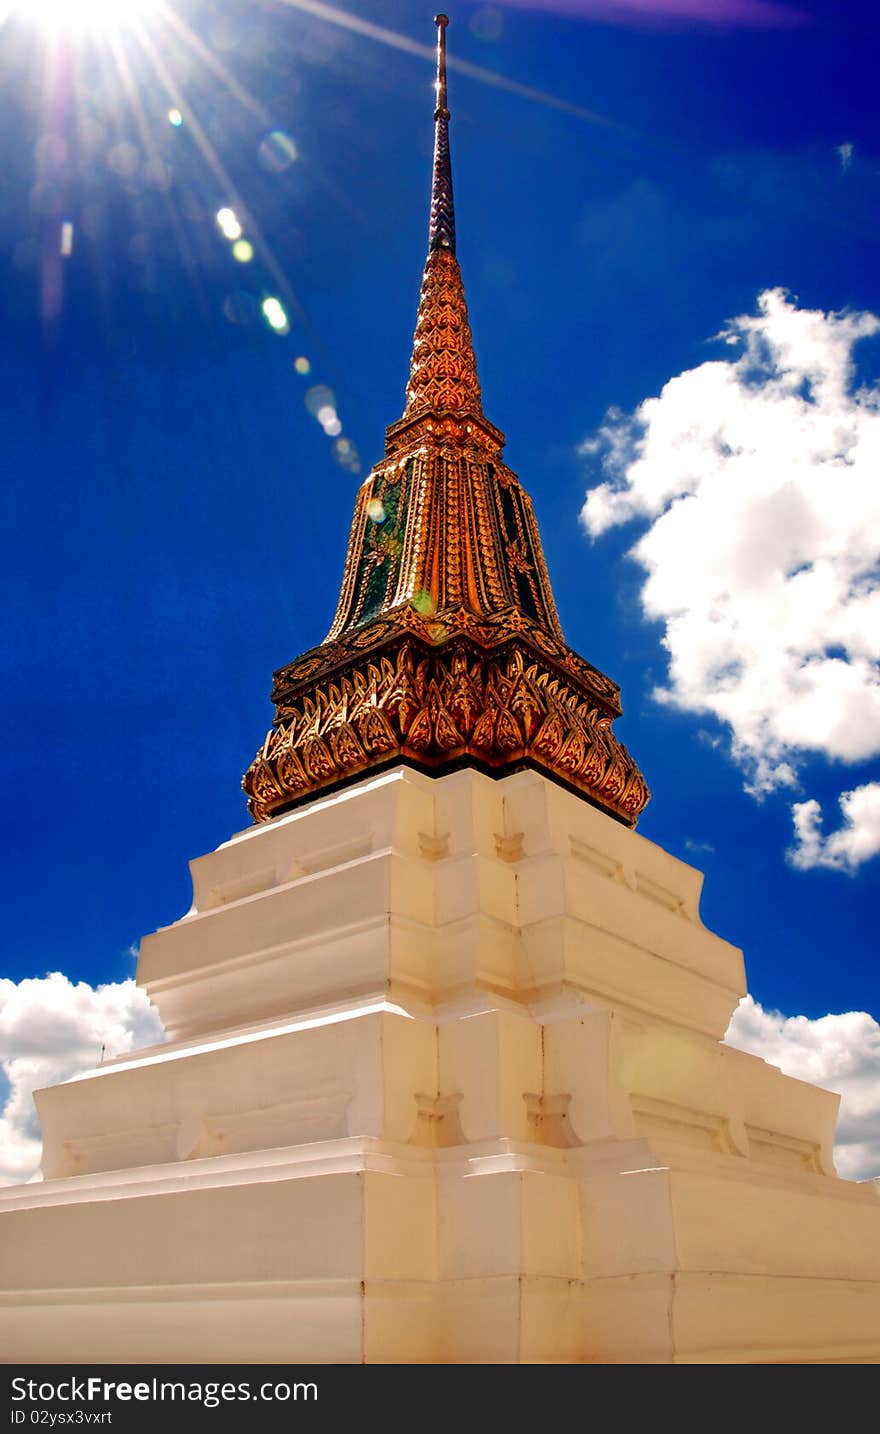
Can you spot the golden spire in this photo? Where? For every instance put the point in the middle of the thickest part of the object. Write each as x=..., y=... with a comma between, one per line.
x=441, y=230
x=443, y=371
x=446, y=648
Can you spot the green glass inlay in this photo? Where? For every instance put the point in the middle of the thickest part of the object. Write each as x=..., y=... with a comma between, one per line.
x=383, y=545
x=376, y=587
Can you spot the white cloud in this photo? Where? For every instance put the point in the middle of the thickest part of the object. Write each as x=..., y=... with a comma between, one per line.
x=857, y=840
x=50, y=1030
x=757, y=477
x=841, y=1053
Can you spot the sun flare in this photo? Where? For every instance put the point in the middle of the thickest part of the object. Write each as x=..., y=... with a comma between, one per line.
x=80, y=16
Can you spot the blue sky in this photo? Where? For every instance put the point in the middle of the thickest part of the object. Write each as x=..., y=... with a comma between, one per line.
x=629, y=179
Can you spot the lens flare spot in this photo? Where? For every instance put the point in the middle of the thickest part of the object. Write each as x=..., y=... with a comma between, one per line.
x=332, y=427
x=243, y=251
x=239, y=308
x=124, y=160
x=317, y=397
x=487, y=23
x=276, y=151
x=276, y=318
x=302, y=365
x=66, y=245
x=229, y=225
x=438, y=632
x=50, y=156
x=157, y=173
x=225, y=33
x=375, y=511
x=347, y=456
x=422, y=602
x=175, y=118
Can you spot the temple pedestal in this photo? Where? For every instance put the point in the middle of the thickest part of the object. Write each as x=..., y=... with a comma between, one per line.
x=443, y=1084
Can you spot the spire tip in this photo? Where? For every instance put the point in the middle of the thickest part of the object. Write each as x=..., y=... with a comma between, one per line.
x=441, y=21
x=441, y=232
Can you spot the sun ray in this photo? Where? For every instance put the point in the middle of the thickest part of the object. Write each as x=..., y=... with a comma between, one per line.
x=212, y=62
x=233, y=195
x=80, y=17
x=148, y=140
x=336, y=16
x=55, y=107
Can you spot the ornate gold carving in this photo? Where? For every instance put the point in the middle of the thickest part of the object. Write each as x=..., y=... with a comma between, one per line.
x=443, y=372
x=498, y=706
x=488, y=630
x=449, y=537
x=355, y=543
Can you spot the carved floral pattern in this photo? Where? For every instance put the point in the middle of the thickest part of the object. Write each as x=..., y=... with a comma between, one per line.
x=443, y=372
x=498, y=708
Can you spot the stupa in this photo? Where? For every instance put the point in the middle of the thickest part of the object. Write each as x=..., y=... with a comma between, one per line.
x=444, y=1080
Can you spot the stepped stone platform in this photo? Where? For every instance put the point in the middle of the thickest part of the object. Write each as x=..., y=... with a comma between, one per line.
x=444, y=1084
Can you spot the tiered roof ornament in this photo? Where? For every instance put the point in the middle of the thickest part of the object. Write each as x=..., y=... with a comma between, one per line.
x=446, y=649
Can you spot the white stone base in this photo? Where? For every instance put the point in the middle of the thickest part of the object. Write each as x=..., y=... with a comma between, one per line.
x=444, y=1085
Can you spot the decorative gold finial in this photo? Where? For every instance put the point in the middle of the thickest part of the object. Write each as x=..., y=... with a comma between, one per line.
x=446, y=649
x=443, y=371
x=441, y=234
x=441, y=21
